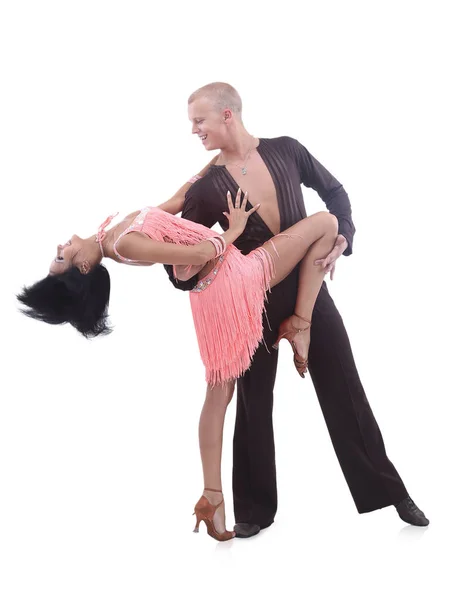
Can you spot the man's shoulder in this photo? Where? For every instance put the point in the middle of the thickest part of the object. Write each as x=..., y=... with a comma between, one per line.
x=202, y=182
x=201, y=186
x=282, y=141
x=284, y=145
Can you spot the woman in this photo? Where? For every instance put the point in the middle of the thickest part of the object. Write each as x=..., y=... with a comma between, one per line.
x=227, y=303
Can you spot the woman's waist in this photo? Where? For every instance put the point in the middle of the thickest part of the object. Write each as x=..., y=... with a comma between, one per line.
x=211, y=269
x=210, y=266
x=208, y=273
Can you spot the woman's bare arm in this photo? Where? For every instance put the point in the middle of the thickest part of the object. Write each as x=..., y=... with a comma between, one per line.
x=139, y=247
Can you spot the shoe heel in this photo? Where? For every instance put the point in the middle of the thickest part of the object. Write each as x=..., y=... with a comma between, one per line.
x=205, y=511
x=276, y=344
x=198, y=521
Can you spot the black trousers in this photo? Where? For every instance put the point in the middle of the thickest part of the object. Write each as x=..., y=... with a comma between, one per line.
x=372, y=479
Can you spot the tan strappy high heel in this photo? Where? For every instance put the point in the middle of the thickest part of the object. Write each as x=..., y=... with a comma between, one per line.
x=205, y=511
x=288, y=331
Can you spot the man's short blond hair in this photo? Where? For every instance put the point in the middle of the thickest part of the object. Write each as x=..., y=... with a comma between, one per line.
x=222, y=95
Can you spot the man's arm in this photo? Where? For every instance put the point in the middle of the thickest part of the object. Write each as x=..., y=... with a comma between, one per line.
x=175, y=204
x=315, y=176
x=197, y=207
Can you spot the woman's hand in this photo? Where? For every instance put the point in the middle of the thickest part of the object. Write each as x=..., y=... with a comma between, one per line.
x=238, y=216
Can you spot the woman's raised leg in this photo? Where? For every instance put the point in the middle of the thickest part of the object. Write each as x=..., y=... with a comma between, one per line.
x=305, y=242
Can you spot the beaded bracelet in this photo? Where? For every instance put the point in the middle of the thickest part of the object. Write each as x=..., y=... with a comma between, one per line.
x=219, y=244
x=223, y=243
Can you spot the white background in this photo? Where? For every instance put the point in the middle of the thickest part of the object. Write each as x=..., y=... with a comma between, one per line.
x=99, y=460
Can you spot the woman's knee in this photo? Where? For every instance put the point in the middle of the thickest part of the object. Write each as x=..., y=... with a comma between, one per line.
x=329, y=222
x=221, y=394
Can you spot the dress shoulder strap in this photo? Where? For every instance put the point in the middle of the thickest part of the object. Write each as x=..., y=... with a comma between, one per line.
x=136, y=225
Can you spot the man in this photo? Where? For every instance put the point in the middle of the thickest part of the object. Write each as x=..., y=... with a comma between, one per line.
x=271, y=171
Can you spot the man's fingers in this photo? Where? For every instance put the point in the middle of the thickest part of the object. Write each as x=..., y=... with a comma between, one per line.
x=325, y=261
x=328, y=263
x=330, y=267
x=334, y=254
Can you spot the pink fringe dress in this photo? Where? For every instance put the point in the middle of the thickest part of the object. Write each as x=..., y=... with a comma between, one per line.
x=227, y=304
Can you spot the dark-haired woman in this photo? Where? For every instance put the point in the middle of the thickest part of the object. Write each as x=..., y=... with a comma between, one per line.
x=227, y=303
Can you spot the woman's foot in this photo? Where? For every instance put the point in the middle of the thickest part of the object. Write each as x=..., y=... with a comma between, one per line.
x=297, y=330
x=300, y=343
x=216, y=499
x=211, y=510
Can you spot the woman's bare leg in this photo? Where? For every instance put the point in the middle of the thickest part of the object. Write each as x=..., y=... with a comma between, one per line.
x=311, y=238
x=210, y=443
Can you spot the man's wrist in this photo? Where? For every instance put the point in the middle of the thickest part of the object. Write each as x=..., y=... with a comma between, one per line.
x=341, y=239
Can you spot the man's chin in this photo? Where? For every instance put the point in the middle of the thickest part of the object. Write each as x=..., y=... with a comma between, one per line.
x=210, y=146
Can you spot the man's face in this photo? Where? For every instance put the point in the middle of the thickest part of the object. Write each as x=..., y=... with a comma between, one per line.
x=208, y=124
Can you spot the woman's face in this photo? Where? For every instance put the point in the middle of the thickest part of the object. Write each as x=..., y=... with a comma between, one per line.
x=65, y=256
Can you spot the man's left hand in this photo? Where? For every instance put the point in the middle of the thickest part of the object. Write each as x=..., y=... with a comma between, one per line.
x=329, y=262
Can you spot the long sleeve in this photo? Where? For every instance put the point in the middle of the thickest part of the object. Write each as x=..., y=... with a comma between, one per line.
x=315, y=176
x=198, y=208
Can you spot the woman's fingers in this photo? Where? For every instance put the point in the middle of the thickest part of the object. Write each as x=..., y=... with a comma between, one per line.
x=252, y=210
x=244, y=201
x=230, y=201
x=237, y=203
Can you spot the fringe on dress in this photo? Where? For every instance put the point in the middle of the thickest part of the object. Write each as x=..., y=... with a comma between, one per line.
x=227, y=304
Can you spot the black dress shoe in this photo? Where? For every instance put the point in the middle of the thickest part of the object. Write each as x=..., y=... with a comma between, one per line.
x=246, y=530
x=410, y=513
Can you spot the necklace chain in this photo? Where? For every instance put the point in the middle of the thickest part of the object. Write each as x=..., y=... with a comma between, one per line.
x=244, y=162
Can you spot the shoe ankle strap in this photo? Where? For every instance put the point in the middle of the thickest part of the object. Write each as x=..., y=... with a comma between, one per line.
x=303, y=319
x=211, y=490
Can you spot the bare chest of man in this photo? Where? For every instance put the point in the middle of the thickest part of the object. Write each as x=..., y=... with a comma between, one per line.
x=259, y=184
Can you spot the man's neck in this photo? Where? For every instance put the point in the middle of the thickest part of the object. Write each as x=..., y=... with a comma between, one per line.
x=238, y=148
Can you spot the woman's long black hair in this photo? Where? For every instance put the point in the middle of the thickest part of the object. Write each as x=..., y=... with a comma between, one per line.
x=71, y=297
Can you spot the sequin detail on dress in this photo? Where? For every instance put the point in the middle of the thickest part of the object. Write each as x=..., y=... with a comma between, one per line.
x=207, y=280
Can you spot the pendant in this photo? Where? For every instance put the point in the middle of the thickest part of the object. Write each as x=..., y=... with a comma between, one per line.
x=244, y=171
